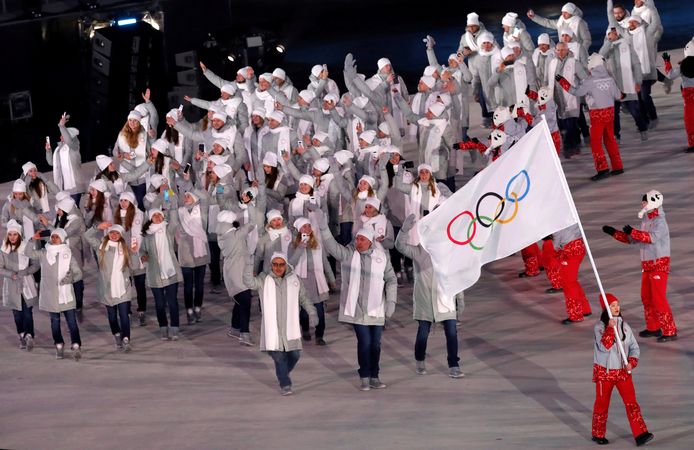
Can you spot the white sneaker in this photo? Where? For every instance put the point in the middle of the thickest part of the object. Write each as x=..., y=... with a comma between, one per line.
x=76, y=352
x=421, y=367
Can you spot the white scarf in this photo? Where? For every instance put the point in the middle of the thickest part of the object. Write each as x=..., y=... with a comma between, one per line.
x=471, y=41
x=414, y=206
x=264, y=97
x=269, y=304
x=140, y=151
x=436, y=129
x=118, y=280
x=41, y=199
x=318, y=269
x=640, y=42
x=62, y=255
x=28, y=283
x=283, y=234
x=63, y=175
x=628, y=84
x=192, y=225
x=297, y=205
x=353, y=134
x=231, y=105
x=135, y=235
x=417, y=102
x=569, y=73
x=520, y=79
x=572, y=23
x=536, y=56
x=283, y=144
x=324, y=187
x=374, y=304
x=377, y=223
x=164, y=256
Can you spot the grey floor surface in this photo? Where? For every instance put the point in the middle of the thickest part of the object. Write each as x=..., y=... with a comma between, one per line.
x=528, y=378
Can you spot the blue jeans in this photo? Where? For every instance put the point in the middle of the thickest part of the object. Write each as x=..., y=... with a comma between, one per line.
x=71, y=319
x=284, y=364
x=320, y=328
x=368, y=349
x=193, y=278
x=345, y=233
x=141, y=290
x=24, y=319
x=140, y=190
x=163, y=298
x=241, y=313
x=635, y=110
x=646, y=101
x=118, y=319
x=420, y=344
x=215, y=270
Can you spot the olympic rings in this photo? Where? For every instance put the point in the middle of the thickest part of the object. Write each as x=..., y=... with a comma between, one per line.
x=486, y=221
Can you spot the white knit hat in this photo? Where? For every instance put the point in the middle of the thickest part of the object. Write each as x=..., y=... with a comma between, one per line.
x=331, y=98
x=300, y=222
x=307, y=95
x=154, y=211
x=222, y=170
x=134, y=115
x=595, y=60
x=368, y=136
x=220, y=116
x=65, y=204
x=473, y=19
x=117, y=228
x=258, y=111
x=218, y=159
x=270, y=159
x=276, y=115
x=273, y=214
x=161, y=145
x=343, y=156
x=382, y=63
x=62, y=234
x=129, y=196
x=316, y=70
x=544, y=39
x=506, y=52
x=99, y=185
x=369, y=179
x=321, y=164
x=485, y=37
x=307, y=179
x=19, y=186
x=266, y=76
x=13, y=225
x=228, y=88
x=367, y=232
x=429, y=71
x=279, y=73
x=509, y=19
x=430, y=82
x=103, y=161
x=566, y=31
x=373, y=201
x=226, y=216
x=27, y=167
x=425, y=167
x=569, y=8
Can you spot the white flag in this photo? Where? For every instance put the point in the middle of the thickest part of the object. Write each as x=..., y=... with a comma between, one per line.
x=516, y=201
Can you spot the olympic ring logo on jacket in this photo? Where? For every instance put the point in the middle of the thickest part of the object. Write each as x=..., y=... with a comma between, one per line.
x=486, y=221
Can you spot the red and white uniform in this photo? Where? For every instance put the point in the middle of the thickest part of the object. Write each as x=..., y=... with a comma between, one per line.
x=571, y=250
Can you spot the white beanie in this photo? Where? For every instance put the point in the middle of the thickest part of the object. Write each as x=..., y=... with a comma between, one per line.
x=307, y=95
x=129, y=196
x=368, y=136
x=220, y=116
x=307, y=179
x=437, y=109
x=485, y=37
x=425, y=167
x=218, y=159
x=66, y=204
x=513, y=44
x=384, y=128
x=13, y=225
x=61, y=233
x=279, y=73
x=222, y=170
x=117, y=228
x=154, y=211
x=228, y=88
x=258, y=111
x=509, y=19
x=373, y=201
x=27, y=167
x=142, y=109
x=99, y=185
x=243, y=71
x=134, y=115
x=321, y=164
x=156, y=180
x=369, y=179
x=343, y=156
x=61, y=195
x=595, y=60
x=19, y=186
x=270, y=159
x=382, y=63
x=173, y=113
x=430, y=82
x=161, y=145
x=280, y=255
x=393, y=149
x=267, y=76
x=366, y=232
x=273, y=214
x=569, y=8
x=316, y=70
x=226, y=216
x=453, y=57
x=473, y=19
x=276, y=115
x=300, y=222
x=544, y=39
x=331, y=98
x=506, y=52
x=635, y=18
x=566, y=31
x=429, y=71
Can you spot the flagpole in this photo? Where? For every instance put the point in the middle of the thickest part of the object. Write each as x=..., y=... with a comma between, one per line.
x=567, y=192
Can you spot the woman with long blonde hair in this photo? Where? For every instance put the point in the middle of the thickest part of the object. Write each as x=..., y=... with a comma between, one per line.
x=113, y=287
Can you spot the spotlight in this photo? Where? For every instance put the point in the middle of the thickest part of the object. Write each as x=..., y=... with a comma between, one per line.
x=231, y=58
x=151, y=19
x=280, y=48
x=128, y=21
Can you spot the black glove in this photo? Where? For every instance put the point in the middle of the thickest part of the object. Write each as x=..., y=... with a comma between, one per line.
x=558, y=77
x=666, y=56
x=627, y=229
x=549, y=238
x=609, y=230
x=475, y=140
x=456, y=146
x=527, y=89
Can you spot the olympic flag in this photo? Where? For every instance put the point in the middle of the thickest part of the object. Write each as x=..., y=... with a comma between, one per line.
x=516, y=201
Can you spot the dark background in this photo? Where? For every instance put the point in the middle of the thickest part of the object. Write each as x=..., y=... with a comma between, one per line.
x=48, y=56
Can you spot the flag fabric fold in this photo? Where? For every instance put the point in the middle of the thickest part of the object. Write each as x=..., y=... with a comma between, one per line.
x=516, y=201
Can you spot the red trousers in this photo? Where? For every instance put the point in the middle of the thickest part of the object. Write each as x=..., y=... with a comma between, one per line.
x=571, y=257
x=550, y=261
x=531, y=259
x=602, y=129
x=656, y=308
x=556, y=137
x=603, y=392
x=688, y=95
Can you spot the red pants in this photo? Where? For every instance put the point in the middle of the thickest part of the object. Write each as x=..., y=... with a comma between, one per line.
x=602, y=129
x=531, y=259
x=556, y=137
x=656, y=308
x=550, y=261
x=576, y=302
x=688, y=95
x=603, y=392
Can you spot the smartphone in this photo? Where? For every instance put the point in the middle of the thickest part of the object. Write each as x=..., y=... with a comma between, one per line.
x=304, y=237
x=299, y=143
x=48, y=140
x=508, y=63
x=408, y=165
x=201, y=147
x=180, y=109
x=187, y=169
